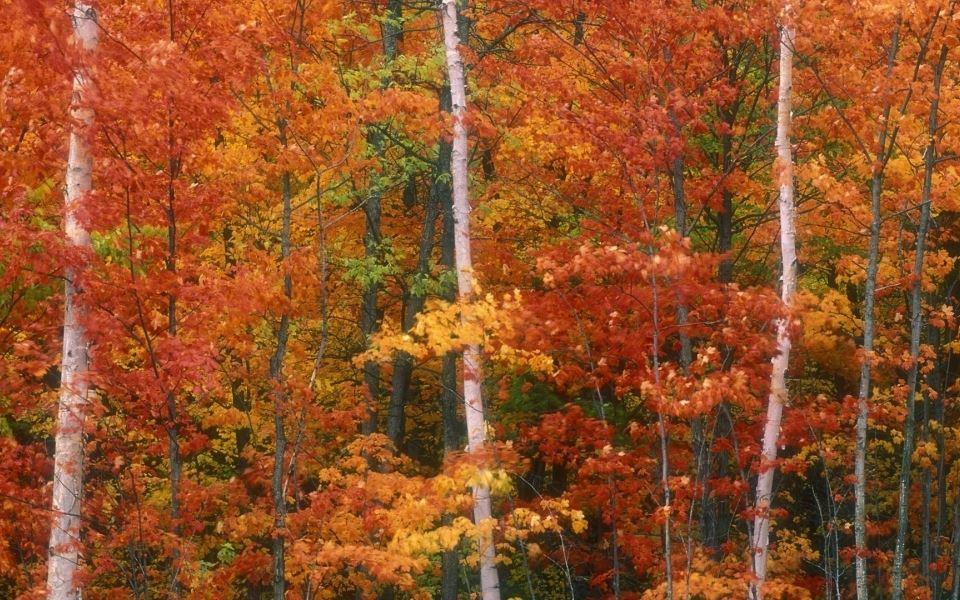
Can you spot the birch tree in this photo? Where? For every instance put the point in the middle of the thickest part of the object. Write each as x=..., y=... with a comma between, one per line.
x=473, y=403
x=788, y=254
x=64, y=549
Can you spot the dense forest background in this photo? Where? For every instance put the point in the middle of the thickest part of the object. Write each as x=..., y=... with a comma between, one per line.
x=694, y=339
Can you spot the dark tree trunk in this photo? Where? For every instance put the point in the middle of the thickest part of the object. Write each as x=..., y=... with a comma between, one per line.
x=276, y=380
x=415, y=299
x=449, y=398
x=369, y=311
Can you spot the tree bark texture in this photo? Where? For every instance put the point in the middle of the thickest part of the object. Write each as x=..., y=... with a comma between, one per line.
x=472, y=374
x=64, y=548
x=788, y=254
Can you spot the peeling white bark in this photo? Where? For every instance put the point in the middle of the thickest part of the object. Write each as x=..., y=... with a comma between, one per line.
x=472, y=375
x=788, y=252
x=64, y=549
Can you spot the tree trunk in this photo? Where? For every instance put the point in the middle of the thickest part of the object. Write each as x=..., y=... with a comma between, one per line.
x=452, y=428
x=869, y=300
x=449, y=398
x=940, y=411
x=788, y=253
x=860, y=450
x=725, y=216
x=64, y=547
x=664, y=448
x=680, y=208
x=239, y=397
x=916, y=328
x=276, y=380
x=714, y=522
x=173, y=426
x=686, y=348
x=472, y=375
x=403, y=364
x=415, y=300
x=369, y=312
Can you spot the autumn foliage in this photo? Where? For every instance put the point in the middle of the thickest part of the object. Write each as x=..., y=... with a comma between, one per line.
x=271, y=310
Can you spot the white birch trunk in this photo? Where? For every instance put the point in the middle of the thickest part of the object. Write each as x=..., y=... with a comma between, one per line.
x=472, y=375
x=788, y=252
x=64, y=549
